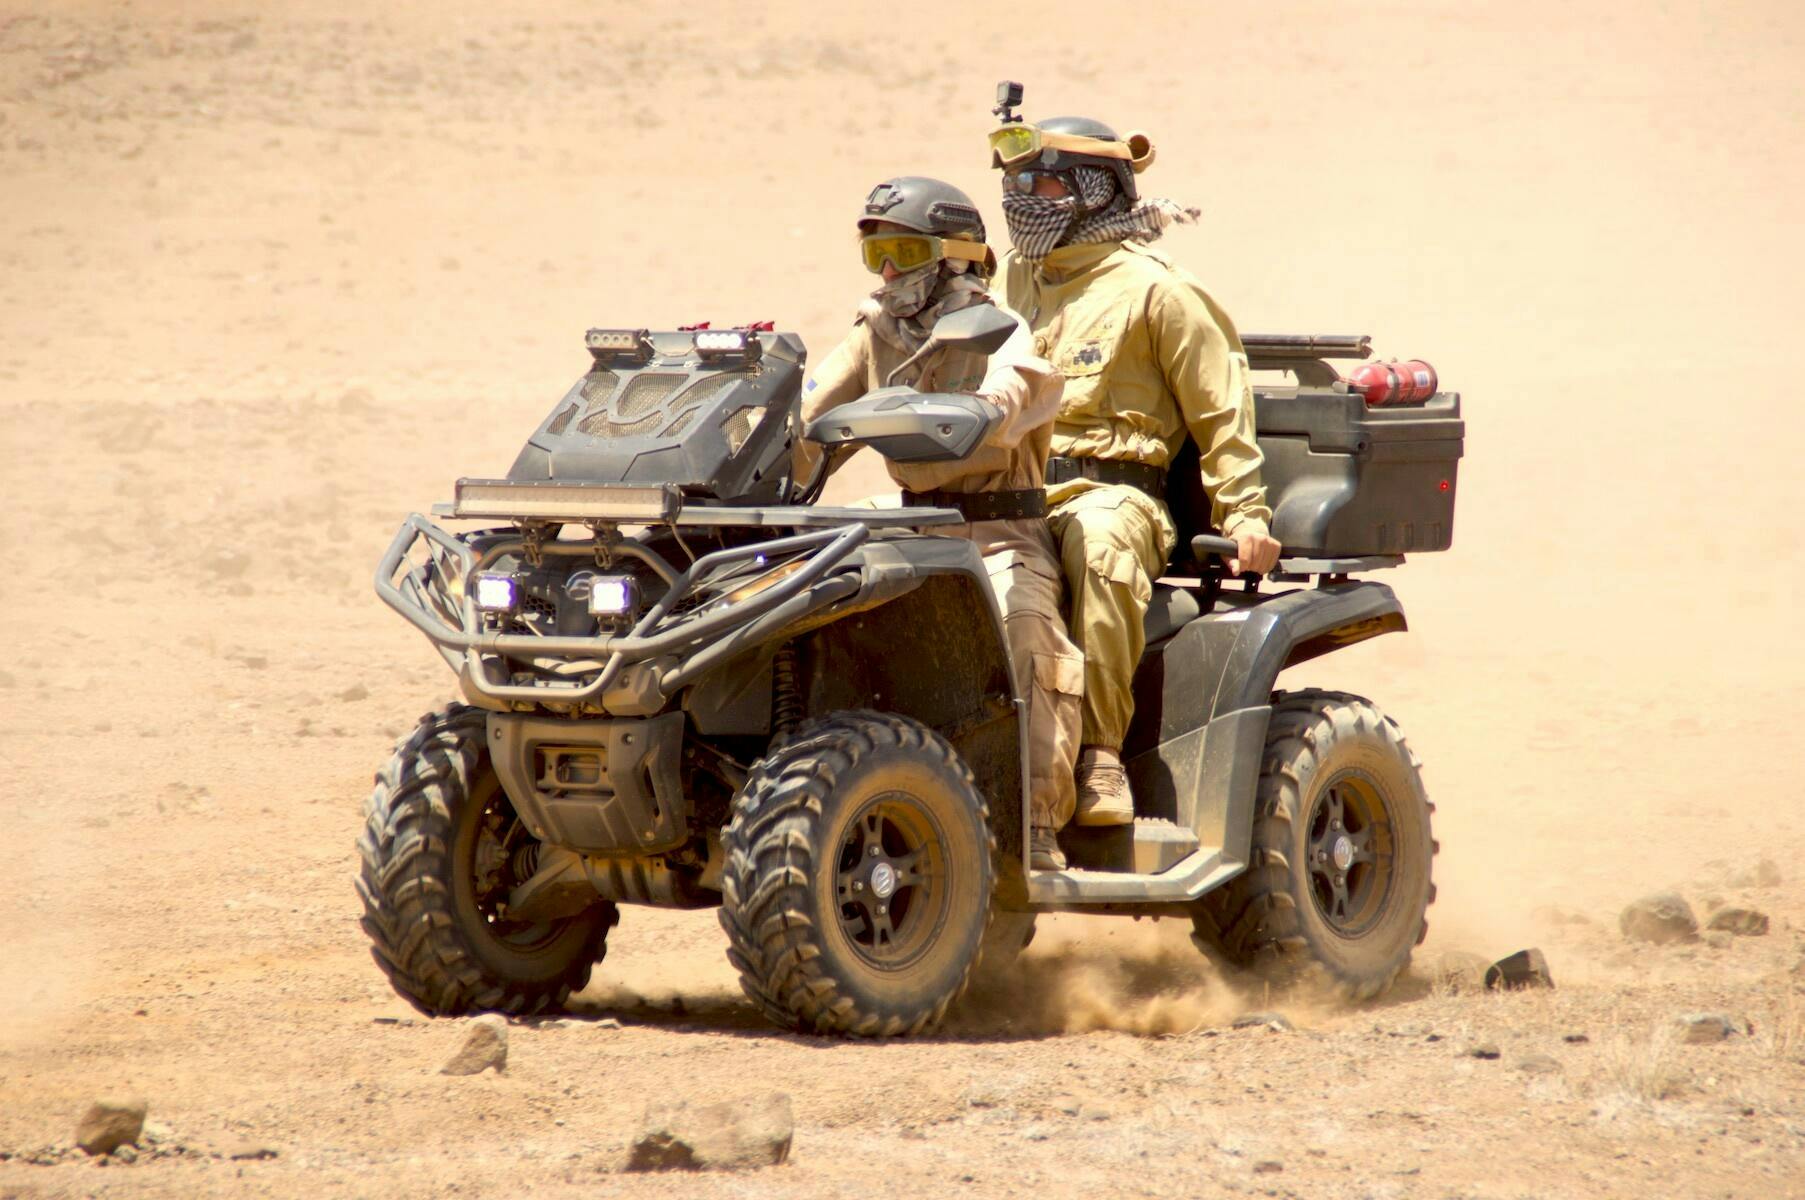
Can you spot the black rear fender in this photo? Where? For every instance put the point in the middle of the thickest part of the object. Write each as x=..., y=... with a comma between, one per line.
x=1203, y=696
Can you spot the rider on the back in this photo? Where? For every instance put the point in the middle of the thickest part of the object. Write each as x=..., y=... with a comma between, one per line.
x=1148, y=358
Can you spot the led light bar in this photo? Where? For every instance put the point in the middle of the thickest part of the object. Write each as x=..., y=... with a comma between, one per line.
x=554, y=500
x=606, y=344
x=727, y=343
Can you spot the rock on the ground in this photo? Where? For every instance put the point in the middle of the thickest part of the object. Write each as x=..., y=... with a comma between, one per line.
x=727, y=1135
x=109, y=1124
x=1659, y=918
x=1524, y=969
x=1706, y=1027
x=1539, y=1064
x=1263, y=1020
x=1743, y=922
x=1486, y=1050
x=249, y=1151
x=485, y=1046
x=1765, y=873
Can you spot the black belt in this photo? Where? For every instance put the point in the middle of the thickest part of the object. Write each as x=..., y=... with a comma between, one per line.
x=1149, y=479
x=983, y=506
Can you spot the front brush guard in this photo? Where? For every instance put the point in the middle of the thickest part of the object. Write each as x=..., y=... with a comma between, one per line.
x=431, y=611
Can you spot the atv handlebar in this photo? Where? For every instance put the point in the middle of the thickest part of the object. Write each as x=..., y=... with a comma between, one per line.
x=1296, y=566
x=1204, y=545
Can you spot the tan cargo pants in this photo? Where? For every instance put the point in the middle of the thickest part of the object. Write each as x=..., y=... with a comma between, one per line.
x=1023, y=566
x=1048, y=667
x=1113, y=542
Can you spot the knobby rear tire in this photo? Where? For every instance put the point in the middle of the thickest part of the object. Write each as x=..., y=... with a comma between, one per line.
x=1272, y=916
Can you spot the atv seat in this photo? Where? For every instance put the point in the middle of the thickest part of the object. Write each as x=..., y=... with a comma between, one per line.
x=1169, y=610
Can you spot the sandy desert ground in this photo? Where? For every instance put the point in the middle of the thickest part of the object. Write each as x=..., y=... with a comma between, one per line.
x=272, y=276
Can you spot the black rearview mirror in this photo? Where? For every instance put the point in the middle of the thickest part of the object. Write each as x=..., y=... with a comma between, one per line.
x=982, y=329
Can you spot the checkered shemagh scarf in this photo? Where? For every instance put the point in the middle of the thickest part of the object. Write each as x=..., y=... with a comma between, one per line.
x=1038, y=224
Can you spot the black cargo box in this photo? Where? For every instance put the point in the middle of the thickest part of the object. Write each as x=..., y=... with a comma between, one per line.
x=1345, y=479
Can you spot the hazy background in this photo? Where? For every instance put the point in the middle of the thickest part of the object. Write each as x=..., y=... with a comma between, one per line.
x=270, y=277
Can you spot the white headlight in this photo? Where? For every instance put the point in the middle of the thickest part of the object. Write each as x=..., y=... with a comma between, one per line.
x=497, y=593
x=611, y=595
x=737, y=345
x=720, y=341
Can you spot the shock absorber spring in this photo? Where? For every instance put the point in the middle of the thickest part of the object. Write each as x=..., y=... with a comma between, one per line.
x=786, y=694
x=524, y=862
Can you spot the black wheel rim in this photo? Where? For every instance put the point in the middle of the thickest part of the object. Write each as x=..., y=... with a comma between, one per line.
x=1351, y=848
x=503, y=854
x=890, y=881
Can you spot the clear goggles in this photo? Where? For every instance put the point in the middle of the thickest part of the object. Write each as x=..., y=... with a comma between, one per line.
x=910, y=251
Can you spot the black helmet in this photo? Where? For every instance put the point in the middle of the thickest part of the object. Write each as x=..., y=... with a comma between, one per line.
x=1061, y=161
x=1059, y=145
x=924, y=205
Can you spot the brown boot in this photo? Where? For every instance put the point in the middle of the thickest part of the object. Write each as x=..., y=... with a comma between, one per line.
x=1103, y=795
x=1044, y=853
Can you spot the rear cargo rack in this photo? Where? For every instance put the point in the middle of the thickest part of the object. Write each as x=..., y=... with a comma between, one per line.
x=1280, y=347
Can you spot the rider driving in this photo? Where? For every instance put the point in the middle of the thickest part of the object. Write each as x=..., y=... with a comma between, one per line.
x=926, y=239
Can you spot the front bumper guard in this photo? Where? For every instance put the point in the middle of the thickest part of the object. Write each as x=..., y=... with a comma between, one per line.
x=454, y=624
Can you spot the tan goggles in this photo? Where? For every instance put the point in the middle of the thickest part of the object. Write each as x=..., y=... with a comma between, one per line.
x=1011, y=145
x=909, y=251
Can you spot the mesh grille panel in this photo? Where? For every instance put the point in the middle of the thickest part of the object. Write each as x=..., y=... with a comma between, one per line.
x=599, y=386
x=738, y=427
x=561, y=422
x=707, y=387
x=645, y=393
x=681, y=423
x=598, y=425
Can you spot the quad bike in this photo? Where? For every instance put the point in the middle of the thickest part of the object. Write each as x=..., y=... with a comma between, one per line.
x=686, y=686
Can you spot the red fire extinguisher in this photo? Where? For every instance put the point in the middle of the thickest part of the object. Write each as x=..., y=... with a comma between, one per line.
x=1394, y=382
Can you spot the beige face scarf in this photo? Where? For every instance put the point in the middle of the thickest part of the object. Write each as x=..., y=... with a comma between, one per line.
x=953, y=286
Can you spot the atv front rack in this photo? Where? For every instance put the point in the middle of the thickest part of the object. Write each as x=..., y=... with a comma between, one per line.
x=433, y=597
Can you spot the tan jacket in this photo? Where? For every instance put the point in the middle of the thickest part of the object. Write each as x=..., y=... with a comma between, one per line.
x=1025, y=388
x=1146, y=354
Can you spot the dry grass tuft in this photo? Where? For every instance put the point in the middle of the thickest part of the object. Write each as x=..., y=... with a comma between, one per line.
x=1644, y=1070
x=1782, y=1035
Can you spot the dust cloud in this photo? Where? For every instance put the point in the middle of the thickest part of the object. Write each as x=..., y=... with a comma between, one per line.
x=1083, y=974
